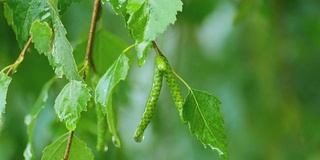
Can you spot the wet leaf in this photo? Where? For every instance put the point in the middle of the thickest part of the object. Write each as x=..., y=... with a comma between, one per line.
x=41, y=34
x=118, y=6
x=148, y=19
x=4, y=84
x=117, y=72
x=71, y=101
x=103, y=93
x=201, y=111
x=31, y=118
x=62, y=50
x=23, y=13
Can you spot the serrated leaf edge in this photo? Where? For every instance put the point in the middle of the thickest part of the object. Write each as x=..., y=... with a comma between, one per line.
x=207, y=126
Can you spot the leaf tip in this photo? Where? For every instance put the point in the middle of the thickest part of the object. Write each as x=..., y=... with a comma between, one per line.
x=142, y=49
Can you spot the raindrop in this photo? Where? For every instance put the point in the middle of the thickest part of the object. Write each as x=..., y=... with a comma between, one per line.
x=115, y=141
x=106, y=148
x=45, y=16
x=28, y=119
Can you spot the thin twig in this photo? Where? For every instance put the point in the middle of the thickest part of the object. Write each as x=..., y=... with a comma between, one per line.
x=156, y=48
x=66, y=154
x=20, y=58
x=94, y=19
x=95, y=12
x=23, y=52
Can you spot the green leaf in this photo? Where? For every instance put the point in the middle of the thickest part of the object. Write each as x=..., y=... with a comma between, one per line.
x=30, y=119
x=119, y=6
x=148, y=19
x=118, y=71
x=201, y=111
x=64, y=62
x=4, y=84
x=78, y=151
x=23, y=14
x=103, y=93
x=41, y=34
x=71, y=101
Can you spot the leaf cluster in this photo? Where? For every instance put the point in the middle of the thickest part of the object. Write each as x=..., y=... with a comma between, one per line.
x=40, y=22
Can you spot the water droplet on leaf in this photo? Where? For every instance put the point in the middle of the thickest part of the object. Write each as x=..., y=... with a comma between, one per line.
x=115, y=141
x=106, y=148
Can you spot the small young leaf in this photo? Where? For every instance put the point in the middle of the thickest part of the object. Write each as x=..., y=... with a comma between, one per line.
x=103, y=92
x=4, y=84
x=64, y=62
x=147, y=19
x=71, y=101
x=41, y=35
x=78, y=151
x=30, y=119
x=201, y=111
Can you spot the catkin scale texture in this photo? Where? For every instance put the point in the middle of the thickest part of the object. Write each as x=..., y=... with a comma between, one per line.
x=101, y=128
x=150, y=105
x=173, y=87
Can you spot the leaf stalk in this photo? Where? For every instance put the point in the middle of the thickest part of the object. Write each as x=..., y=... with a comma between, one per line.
x=128, y=48
x=155, y=46
x=13, y=67
x=66, y=154
x=184, y=82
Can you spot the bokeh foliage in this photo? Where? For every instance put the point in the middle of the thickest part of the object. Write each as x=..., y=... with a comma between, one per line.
x=261, y=59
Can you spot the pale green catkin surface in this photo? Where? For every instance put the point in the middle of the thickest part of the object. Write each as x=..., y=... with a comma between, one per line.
x=151, y=103
x=174, y=88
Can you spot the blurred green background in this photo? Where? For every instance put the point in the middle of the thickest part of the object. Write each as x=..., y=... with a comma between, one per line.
x=260, y=58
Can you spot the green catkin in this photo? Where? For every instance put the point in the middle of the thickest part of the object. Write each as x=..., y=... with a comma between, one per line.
x=101, y=128
x=174, y=88
x=152, y=100
x=161, y=63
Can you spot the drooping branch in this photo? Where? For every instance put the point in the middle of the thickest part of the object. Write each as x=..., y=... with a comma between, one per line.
x=88, y=61
x=94, y=19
